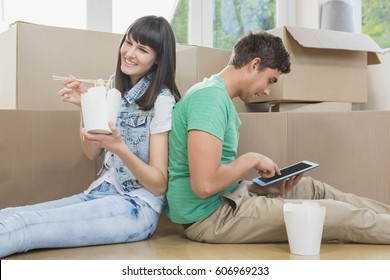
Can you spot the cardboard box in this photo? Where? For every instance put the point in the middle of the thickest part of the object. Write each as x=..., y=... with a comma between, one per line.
x=41, y=156
x=194, y=63
x=30, y=54
x=292, y=106
x=352, y=148
x=379, y=84
x=327, y=65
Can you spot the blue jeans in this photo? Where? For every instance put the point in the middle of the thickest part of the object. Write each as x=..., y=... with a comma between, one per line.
x=101, y=217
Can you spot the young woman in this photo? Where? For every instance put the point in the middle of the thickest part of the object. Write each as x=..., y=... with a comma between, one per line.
x=124, y=203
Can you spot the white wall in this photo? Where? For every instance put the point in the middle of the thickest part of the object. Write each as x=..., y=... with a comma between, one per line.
x=99, y=15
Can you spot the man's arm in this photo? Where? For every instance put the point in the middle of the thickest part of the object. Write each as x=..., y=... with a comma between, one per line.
x=209, y=176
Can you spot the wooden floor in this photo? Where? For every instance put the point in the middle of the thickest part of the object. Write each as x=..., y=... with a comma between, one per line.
x=169, y=244
x=172, y=248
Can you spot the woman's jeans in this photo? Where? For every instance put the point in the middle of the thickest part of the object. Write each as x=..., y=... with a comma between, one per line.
x=101, y=217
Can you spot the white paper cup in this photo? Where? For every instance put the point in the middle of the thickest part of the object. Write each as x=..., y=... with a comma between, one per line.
x=100, y=106
x=304, y=224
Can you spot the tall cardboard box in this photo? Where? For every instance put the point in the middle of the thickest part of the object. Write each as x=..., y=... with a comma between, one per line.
x=352, y=148
x=326, y=65
x=379, y=84
x=41, y=157
x=30, y=54
x=194, y=63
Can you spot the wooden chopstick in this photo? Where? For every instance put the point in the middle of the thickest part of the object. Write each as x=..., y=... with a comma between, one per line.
x=97, y=82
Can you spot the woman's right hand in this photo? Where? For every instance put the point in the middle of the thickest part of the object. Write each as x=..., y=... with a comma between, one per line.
x=72, y=91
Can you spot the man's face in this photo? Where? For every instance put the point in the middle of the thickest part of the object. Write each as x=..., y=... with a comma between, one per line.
x=260, y=83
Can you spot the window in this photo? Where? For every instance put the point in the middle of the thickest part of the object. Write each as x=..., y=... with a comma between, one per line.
x=180, y=22
x=231, y=19
x=376, y=21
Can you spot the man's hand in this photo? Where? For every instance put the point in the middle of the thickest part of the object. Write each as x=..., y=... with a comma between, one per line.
x=277, y=189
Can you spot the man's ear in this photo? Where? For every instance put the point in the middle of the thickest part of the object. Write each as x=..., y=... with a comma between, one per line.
x=255, y=63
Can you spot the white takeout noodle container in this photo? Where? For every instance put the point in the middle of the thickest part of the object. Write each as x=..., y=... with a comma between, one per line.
x=304, y=224
x=99, y=106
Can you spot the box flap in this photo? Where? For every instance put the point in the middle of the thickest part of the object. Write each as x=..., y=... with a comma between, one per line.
x=20, y=22
x=330, y=39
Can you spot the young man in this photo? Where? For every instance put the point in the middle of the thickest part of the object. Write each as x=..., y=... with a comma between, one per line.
x=205, y=193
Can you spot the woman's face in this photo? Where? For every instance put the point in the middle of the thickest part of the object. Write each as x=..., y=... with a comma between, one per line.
x=136, y=59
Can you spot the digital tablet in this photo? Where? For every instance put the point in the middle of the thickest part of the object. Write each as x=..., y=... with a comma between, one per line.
x=287, y=172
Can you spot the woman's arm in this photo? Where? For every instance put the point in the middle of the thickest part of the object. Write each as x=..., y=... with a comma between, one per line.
x=90, y=150
x=152, y=176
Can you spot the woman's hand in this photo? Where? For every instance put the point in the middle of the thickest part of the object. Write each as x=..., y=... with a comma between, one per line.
x=277, y=189
x=72, y=91
x=111, y=142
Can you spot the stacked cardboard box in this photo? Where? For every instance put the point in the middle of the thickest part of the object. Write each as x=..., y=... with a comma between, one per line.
x=41, y=157
x=379, y=84
x=327, y=65
x=30, y=54
x=329, y=72
x=195, y=63
x=40, y=153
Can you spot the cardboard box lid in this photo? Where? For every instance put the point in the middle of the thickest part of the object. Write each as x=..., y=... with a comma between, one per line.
x=330, y=39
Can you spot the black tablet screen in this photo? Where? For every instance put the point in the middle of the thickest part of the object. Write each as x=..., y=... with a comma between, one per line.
x=286, y=171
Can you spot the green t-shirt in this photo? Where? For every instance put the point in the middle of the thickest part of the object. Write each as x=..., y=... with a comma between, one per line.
x=207, y=107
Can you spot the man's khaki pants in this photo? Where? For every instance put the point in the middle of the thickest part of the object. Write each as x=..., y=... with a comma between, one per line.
x=245, y=217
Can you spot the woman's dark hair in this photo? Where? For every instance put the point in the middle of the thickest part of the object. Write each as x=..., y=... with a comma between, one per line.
x=156, y=33
x=267, y=47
